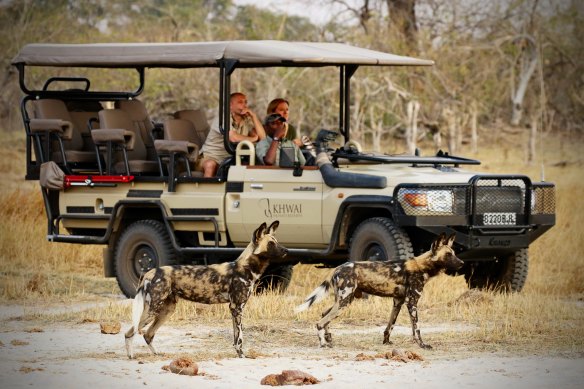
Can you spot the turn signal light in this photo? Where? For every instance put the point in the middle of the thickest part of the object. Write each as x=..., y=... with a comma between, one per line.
x=416, y=199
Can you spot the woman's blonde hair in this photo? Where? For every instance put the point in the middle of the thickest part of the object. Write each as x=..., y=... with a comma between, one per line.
x=274, y=104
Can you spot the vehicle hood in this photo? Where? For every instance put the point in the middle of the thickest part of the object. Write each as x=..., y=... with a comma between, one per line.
x=402, y=174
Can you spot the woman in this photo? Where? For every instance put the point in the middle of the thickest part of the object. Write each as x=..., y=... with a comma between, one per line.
x=282, y=107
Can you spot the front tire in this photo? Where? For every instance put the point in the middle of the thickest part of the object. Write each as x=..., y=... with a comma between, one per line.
x=379, y=239
x=506, y=274
x=143, y=245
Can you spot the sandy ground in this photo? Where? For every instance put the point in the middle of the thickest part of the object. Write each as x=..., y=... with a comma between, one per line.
x=78, y=355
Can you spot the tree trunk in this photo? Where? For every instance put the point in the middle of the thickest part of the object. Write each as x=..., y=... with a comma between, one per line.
x=376, y=131
x=412, y=127
x=529, y=62
x=402, y=15
x=450, y=119
x=474, y=136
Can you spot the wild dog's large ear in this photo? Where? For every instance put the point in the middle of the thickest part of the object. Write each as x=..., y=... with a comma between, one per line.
x=259, y=233
x=451, y=240
x=443, y=239
x=437, y=243
x=273, y=227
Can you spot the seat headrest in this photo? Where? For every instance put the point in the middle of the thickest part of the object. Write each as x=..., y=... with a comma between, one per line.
x=115, y=119
x=195, y=116
x=51, y=109
x=135, y=109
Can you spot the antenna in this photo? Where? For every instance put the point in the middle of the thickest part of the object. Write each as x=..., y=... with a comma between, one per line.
x=542, y=102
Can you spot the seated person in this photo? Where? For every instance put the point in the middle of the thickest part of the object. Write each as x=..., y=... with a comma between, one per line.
x=245, y=125
x=275, y=149
x=282, y=107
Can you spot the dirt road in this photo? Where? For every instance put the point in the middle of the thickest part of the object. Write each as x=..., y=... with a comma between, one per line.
x=64, y=355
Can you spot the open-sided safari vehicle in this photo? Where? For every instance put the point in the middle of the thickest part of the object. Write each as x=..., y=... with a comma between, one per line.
x=126, y=183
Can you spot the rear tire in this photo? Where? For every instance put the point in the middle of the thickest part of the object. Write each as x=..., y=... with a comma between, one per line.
x=276, y=278
x=379, y=239
x=143, y=245
x=507, y=274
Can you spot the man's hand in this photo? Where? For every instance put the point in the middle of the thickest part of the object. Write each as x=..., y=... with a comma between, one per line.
x=280, y=132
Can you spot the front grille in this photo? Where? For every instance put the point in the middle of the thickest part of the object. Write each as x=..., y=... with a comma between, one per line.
x=502, y=196
x=507, y=197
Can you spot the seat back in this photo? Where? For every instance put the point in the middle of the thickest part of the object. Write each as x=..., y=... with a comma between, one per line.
x=136, y=111
x=56, y=109
x=81, y=112
x=179, y=129
x=118, y=119
x=199, y=120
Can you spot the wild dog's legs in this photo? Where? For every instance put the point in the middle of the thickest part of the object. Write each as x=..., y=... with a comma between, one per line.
x=397, y=304
x=343, y=297
x=140, y=318
x=327, y=335
x=166, y=309
x=236, y=313
x=412, y=303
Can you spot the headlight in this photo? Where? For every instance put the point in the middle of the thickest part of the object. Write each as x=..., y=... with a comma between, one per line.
x=426, y=201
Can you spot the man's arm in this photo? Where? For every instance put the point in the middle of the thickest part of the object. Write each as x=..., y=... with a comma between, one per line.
x=270, y=157
x=258, y=128
x=235, y=137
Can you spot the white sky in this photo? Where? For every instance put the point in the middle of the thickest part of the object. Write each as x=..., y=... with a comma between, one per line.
x=315, y=11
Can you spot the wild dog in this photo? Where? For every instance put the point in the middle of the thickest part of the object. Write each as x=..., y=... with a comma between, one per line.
x=230, y=282
x=404, y=281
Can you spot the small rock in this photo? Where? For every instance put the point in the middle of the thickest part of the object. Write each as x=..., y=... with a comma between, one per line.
x=34, y=329
x=183, y=366
x=110, y=327
x=363, y=357
x=289, y=377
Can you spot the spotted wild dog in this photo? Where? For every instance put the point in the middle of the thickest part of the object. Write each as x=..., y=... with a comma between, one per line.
x=404, y=281
x=230, y=282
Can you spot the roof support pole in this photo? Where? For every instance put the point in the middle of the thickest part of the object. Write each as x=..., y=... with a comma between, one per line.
x=347, y=72
x=342, y=101
x=227, y=67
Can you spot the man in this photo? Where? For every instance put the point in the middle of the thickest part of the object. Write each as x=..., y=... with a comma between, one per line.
x=245, y=125
x=275, y=149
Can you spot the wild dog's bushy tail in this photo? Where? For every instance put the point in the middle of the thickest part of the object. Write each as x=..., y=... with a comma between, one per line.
x=318, y=294
x=138, y=305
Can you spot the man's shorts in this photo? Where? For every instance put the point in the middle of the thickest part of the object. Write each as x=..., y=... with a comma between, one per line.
x=206, y=157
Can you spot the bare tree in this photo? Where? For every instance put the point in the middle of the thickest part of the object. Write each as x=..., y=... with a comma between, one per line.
x=527, y=63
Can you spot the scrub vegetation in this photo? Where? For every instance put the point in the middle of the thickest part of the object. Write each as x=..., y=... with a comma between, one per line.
x=479, y=60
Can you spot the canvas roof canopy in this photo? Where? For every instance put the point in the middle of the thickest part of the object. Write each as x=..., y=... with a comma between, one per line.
x=261, y=53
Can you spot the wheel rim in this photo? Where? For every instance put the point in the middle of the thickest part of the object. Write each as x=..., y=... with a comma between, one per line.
x=144, y=259
x=375, y=252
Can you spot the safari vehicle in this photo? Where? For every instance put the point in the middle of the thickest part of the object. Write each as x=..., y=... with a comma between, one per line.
x=119, y=180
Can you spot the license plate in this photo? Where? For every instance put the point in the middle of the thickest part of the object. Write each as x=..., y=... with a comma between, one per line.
x=499, y=219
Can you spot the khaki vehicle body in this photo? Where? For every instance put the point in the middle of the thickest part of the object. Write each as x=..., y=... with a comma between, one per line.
x=348, y=205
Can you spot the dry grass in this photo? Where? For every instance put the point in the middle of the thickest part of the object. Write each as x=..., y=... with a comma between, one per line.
x=548, y=314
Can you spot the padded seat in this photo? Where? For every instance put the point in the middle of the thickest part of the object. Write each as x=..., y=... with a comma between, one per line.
x=183, y=131
x=141, y=121
x=200, y=124
x=137, y=154
x=81, y=112
x=72, y=141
